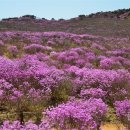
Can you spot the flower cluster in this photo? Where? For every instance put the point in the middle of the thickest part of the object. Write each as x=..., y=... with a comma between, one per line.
x=13, y=50
x=28, y=126
x=33, y=48
x=78, y=114
x=93, y=92
x=123, y=108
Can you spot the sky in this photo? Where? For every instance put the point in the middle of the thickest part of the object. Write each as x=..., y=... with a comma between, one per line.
x=57, y=9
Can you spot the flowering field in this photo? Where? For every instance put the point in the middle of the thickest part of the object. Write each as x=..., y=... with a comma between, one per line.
x=63, y=81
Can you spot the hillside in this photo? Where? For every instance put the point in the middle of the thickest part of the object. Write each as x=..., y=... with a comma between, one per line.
x=116, y=23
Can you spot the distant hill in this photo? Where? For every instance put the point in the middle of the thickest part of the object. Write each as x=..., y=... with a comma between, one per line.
x=111, y=23
x=117, y=14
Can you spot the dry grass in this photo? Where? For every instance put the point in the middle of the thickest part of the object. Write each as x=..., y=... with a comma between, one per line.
x=95, y=26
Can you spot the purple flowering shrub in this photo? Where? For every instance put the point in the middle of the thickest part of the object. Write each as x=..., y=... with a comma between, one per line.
x=1, y=43
x=78, y=114
x=114, y=82
x=93, y=92
x=33, y=48
x=28, y=126
x=109, y=63
x=13, y=50
x=123, y=111
x=30, y=83
x=73, y=78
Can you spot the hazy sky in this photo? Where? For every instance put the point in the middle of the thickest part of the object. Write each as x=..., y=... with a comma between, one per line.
x=58, y=8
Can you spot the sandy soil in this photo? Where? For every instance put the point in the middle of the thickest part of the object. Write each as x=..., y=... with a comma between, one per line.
x=113, y=127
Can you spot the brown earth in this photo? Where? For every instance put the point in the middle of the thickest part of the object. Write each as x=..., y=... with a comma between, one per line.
x=113, y=127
